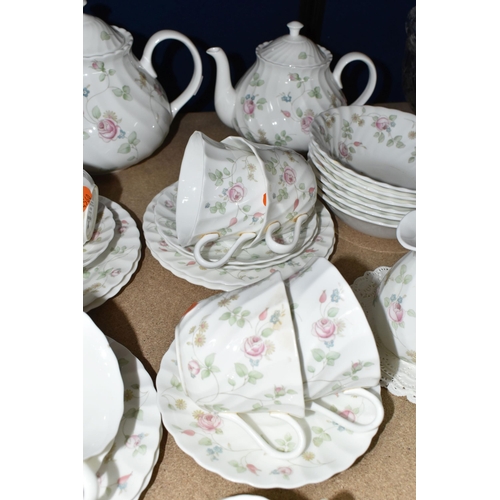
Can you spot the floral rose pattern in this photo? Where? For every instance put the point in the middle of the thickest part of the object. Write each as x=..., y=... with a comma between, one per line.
x=233, y=196
x=383, y=126
x=396, y=309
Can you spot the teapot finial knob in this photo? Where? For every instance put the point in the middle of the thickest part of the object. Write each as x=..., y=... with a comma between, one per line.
x=294, y=28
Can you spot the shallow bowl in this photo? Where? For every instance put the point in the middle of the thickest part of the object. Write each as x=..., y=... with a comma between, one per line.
x=374, y=141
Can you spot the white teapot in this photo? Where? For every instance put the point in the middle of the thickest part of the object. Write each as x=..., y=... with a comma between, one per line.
x=126, y=114
x=290, y=83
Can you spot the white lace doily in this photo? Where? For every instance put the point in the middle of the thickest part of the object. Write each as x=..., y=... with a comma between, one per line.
x=397, y=375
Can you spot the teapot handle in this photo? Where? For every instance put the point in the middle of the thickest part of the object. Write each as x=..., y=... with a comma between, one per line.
x=197, y=77
x=372, y=77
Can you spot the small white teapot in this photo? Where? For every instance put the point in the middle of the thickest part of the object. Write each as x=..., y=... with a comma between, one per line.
x=290, y=83
x=126, y=114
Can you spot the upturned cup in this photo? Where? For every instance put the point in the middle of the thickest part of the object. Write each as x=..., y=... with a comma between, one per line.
x=237, y=353
x=336, y=345
x=225, y=193
x=90, y=206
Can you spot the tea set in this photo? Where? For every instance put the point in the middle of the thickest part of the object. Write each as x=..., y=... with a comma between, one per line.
x=281, y=371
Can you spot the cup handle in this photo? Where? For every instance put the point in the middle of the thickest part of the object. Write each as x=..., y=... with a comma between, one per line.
x=282, y=248
x=271, y=451
x=347, y=424
x=214, y=264
x=90, y=485
x=372, y=77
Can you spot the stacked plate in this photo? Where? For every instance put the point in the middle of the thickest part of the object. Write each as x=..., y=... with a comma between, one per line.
x=244, y=267
x=121, y=420
x=112, y=254
x=364, y=158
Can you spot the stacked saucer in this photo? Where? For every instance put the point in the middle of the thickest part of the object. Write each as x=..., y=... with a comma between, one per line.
x=313, y=323
x=111, y=255
x=121, y=421
x=364, y=158
x=317, y=238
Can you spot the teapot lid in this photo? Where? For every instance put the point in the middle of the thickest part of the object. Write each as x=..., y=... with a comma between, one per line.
x=99, y=38
x=294, y=50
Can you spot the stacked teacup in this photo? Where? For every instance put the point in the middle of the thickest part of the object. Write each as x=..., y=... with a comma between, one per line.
x=102, y=403
x=236, y=195
x=278, y=348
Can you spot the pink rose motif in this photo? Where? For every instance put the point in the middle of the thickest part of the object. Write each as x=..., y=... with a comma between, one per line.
x=248, y=106
x=233, y=221
x=194, y=368
x=209, y=422
x=263, y=314
x=396, y=312
x=289, y=175
x=356, y=366
x=322, y=299
x=348, y=415
x=383, y=123
x=286, y=471
x=305, y=123
x=189, y=432
x=343, y=150
x=254, y=347
x=286, y=113
x=324, y=328
x=115, y=272
x=236, y=192
x=97, y=65
x=108, y=129
x=133, y=442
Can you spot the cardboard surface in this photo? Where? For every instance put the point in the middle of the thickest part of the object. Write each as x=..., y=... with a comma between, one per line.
x=144, y=314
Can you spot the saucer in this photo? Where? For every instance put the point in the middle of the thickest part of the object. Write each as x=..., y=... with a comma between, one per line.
x=112, y=270
x=259, y=255
x=218, y=445
x=101, y=237
x=398, y=376
x=230, y=279
x=126, y=470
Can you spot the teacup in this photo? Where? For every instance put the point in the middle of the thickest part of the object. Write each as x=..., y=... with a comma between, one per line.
x=90, y=206
x=224, y=193
x=237, y=353
x=336, y=345
x=102, y=401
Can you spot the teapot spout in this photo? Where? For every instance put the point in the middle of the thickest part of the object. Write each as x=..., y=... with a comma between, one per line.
x=225, y=95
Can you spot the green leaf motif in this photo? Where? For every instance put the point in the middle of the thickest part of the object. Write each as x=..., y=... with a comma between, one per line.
x=411, y=313
x=127, y=97
x=209, y=360
x=205, y=441
x=132, y=137
x=231, y=381
x=299, y=113
x=111, y=72
x=96, y=112
x=205, y=374
x=102, y=76
x=241, y=322
x=407, y=279
x=241, y=369
x=124, y=148
x=225, y=316
x=267, y=332
x=105, y=36
x=318, y=354
x=85, y=135
x=302, y=55
x=317, y=441
x=332, y=312
x=117, y=92
x=255, y=374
